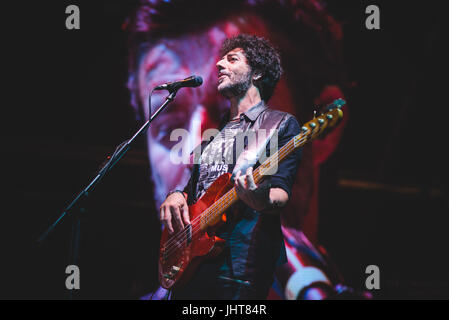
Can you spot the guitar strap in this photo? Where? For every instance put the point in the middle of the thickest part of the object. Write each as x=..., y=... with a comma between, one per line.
x=258, y=138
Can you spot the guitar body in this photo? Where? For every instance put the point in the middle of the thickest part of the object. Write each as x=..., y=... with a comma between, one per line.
x=183, y=251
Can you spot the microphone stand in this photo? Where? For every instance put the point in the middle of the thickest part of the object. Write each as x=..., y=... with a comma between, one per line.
x=112, y=160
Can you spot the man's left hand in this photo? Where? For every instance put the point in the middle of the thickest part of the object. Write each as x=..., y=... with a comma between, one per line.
x=256, y=197
x=260, y=198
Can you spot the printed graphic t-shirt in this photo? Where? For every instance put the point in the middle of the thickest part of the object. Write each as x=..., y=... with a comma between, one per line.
x=217, y=157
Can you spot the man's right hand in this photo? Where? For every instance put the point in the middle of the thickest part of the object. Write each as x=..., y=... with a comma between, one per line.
x=174, y=212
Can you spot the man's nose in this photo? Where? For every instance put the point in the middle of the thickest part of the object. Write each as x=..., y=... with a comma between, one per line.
x=220, y=65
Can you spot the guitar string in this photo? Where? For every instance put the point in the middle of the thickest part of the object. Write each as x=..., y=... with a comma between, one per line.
x=175, y=244
x=222, y=202
x=172, y=245
x=256, y=175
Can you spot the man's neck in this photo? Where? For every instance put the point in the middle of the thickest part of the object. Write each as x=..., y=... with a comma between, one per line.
x=241, y=104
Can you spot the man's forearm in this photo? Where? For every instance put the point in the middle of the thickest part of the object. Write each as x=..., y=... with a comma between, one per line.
x=277, y=199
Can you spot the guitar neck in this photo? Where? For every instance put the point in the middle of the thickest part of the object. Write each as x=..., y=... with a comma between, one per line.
x=213, y=214
x=315, y=127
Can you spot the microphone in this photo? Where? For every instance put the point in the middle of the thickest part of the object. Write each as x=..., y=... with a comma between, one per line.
x=192, y=81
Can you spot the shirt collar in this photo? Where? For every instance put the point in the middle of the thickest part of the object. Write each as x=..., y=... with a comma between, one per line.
x=255, y=111
x=251, y=114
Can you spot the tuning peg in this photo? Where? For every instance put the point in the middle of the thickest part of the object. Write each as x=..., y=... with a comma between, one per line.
x=340, y=103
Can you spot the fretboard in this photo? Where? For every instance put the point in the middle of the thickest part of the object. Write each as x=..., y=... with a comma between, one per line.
x=213, y=214
x=315, y=127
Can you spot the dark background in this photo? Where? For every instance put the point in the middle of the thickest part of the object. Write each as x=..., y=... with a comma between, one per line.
x=384, y=192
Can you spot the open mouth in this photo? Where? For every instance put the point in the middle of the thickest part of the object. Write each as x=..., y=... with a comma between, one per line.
x=221, y=77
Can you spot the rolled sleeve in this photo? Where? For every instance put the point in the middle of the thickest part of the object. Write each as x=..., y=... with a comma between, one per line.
x=287, y=169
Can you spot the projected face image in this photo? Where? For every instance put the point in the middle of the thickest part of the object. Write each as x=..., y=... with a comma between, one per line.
x=194, y=109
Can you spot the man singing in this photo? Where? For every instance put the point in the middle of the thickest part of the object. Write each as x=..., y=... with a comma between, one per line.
x=248, y=72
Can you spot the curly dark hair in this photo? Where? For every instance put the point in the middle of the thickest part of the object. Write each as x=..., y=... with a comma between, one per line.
x=262, y=57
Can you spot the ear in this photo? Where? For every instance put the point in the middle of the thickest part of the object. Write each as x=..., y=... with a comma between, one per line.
x=257, y=75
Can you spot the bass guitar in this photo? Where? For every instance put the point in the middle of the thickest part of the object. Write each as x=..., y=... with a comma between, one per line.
x=181, y=252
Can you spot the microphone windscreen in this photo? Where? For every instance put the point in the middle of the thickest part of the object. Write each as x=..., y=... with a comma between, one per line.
x=198, y=81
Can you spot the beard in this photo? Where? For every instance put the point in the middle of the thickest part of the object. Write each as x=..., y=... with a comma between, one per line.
x=236, y=86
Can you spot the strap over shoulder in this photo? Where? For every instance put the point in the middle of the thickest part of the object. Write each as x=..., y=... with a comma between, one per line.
x=265, y=129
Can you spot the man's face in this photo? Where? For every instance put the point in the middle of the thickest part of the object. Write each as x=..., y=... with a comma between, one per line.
x=234, y=74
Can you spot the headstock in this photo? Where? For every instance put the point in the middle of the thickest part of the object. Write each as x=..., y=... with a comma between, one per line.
x=321, y=124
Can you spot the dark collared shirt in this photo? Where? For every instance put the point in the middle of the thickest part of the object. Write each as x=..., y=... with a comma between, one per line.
x=254, y=241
